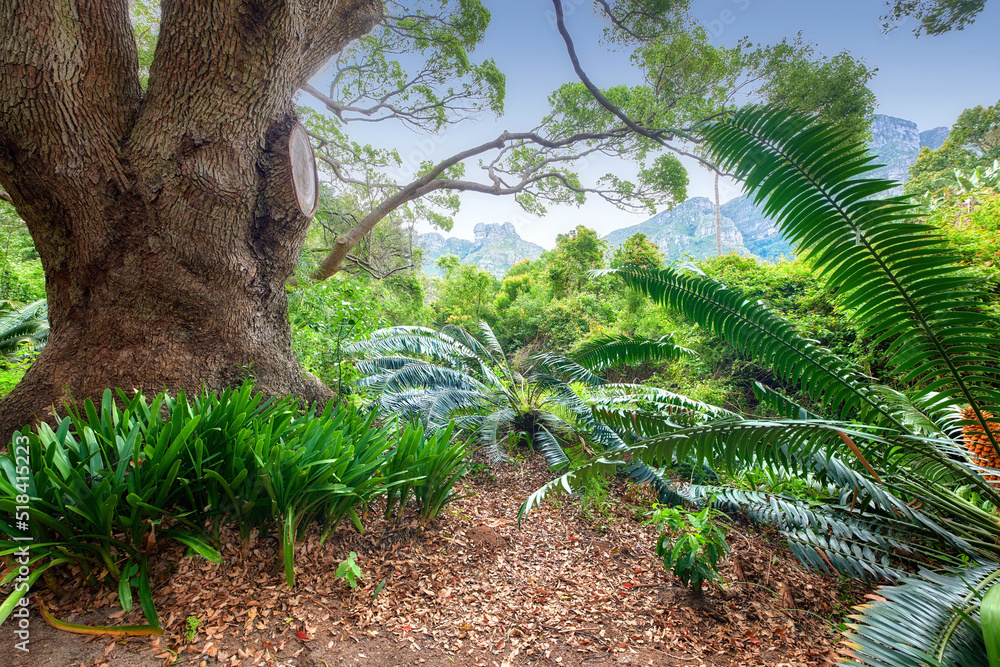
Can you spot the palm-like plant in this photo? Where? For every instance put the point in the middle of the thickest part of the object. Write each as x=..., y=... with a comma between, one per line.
x=899, y=489
x=23, y=325
x=452, y=375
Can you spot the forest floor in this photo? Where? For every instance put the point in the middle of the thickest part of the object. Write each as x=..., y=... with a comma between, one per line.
x=471, y=589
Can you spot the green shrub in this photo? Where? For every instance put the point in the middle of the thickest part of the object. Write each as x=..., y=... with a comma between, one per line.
x=428, y=465
x=113, y=480
x=691, y=543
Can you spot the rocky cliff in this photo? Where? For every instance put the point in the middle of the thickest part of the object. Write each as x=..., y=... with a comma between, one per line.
x=896, y=144
x=689, y=229
x=761, y=237
x=933, y=139
x=496, y=248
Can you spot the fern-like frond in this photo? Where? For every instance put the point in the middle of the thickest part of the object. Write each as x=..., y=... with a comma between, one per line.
x=734, y=441
x=491, y=432
x=831, y=538
x=779, y=403
x=654, y=399
x=758, y=333
x=416, y=375
x=666, y=491
x=895, y=273
x=929, y=618
x=23, y=325
x=568, y=482
x=557, y=364
x=616, y=350
x=550, y=447
x=447, y=403
x=500, y=357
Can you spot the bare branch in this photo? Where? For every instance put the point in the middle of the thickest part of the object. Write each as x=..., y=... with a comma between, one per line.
x=431, y=182
x=370, y=270
x=5, y=196
x=659, y=136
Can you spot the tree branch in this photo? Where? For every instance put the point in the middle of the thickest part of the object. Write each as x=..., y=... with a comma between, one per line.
x=54, y=56
x=659, y=136
x=330, y=25
x=335, y=259
x=370, y=270
x=431, y=182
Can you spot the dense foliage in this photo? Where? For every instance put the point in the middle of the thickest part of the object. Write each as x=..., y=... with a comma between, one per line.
x=112, y=481
x=848, y=398
x=900, y=476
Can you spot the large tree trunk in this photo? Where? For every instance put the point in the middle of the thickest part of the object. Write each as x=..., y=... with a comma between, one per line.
x=167, y=223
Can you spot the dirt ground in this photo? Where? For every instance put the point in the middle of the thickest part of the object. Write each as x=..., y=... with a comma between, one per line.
x=471, y=589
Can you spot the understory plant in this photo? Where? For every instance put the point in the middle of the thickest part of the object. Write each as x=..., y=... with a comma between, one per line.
x=428, y=465
x=349, y=571
x=902, y=476
x=691, y=543
x=111, y=482
x=23, y=329
x=450, y=375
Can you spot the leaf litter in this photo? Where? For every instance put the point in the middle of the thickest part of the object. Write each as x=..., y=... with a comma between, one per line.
x=472, y=588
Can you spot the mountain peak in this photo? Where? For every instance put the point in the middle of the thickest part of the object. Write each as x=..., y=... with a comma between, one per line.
x=496, y=248
x=487, y=230
x=688, y=229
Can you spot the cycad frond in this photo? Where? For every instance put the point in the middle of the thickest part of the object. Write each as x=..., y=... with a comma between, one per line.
x=637, y=411
x=666, y=491
x=615, y=350
x=550, y=447
x=557, y=364
x=827, y=537
x=416, y=375
x=733, y=441
x=567, y=482
x=482, y=355
x=492, y=428
x=779, y=403
x=896, y=274
x=23, y=325
x=486, y=331
x=932, y=618
x=661, y=400
x=758, y=333
x=444, y=405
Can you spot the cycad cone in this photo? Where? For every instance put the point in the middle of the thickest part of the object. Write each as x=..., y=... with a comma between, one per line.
x=978, y=443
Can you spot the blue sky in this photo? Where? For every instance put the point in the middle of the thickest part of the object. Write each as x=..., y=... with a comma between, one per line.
x=929, y=80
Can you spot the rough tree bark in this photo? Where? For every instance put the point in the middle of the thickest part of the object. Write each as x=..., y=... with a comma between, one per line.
x=166, y=222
